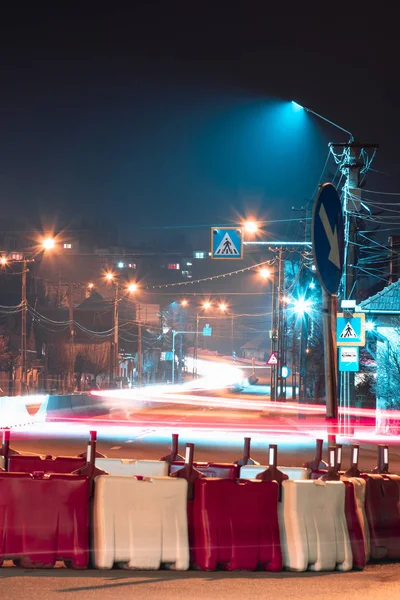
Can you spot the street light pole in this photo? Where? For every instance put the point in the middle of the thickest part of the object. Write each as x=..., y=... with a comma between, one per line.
x=139, y=347
x=23, y=325
x=116, y=334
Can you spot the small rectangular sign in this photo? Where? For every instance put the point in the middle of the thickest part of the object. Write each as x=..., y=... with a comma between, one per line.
x=349, y=359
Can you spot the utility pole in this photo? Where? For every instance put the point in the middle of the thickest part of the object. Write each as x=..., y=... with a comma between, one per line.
x=23, y=326
x=115, y=353
x=139, y=347
x=278, y=367
x=180, y=355
x=72, y=336
x=351, y=165
x=273, y=339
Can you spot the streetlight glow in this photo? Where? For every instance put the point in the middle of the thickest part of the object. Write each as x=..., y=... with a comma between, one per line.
x=132, y=287
x=297, y=106
x=3, y=261
x=184, y=302
x=90, y=286
x=251, y=226
x=223, y=307
x=48, y=243
x=265, y=273
x=369, y=326
x=301, y=306
x=207, y=305
x=109, y=276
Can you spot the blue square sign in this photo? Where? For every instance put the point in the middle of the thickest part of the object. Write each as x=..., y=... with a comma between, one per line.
x=226, y=243
x=350, y=331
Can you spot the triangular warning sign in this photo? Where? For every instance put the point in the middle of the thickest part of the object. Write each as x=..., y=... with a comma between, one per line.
x=272, y=359
x=348, y=332
x=227, y=247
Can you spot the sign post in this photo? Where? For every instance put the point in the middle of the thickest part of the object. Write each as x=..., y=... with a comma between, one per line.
x=327, y=231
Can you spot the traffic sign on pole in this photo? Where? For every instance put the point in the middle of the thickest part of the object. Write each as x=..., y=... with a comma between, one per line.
x=273, y=360
x=349, y=359
x=350, y=331
x=327, y=234
x=226, y=243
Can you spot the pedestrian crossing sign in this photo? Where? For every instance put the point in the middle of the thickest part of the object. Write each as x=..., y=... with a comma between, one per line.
x=226, y=243
x=350, y=330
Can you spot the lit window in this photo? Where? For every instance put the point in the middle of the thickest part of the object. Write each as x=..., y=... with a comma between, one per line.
x=185, y=273
x=173, y=266
x=68, y=246
x=16, y=256
x=132, y=266
x=198, y=254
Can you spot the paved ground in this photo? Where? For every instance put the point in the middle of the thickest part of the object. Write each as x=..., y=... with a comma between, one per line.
x=377, y=582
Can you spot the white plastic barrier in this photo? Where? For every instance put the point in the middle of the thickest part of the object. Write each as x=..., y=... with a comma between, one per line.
x=140, y=523
x=251, y=471
x=13, y=412
x=313, y=526
x=360, y=486
x=129, y=466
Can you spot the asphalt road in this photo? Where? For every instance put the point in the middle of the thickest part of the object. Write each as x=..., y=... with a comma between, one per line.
x=377, y=582
x=217, y=434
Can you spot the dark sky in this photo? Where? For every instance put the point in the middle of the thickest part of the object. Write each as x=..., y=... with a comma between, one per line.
x=171, y=113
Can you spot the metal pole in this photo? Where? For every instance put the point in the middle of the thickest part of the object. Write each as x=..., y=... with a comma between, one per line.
x=116, y=352
x=23, y=326
x=72, y=334
x=273, y=344
x=232, y=335
x=196, y=346
x=173, y=356
x=330, y=359
x=180, y=356
x=279, y=328
x=139, y=348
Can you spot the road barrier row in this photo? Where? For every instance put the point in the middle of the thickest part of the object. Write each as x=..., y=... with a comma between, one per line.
x=149, y=514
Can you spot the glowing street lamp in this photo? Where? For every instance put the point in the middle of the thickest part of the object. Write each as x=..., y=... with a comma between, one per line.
x=206, y=305
x=222, y=307
x=370, y=326
x=251, y=226
x=3, y=261
x=301, y=306
x=109, y=276
x=184, y=302
x=132, y=288
x=48, y=243
x=265, y=273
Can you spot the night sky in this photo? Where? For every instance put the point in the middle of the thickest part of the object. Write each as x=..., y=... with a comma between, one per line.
x=169, y=113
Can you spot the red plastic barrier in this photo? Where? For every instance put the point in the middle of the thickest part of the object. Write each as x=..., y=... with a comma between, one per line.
x=234, y=525
x=18, y=463
x=382, y=508
x=44, y=519
x=211, y=469
x=354, y=527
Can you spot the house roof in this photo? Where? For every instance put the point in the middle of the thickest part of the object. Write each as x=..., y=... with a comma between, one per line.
x=387, y=301
x=261, y=342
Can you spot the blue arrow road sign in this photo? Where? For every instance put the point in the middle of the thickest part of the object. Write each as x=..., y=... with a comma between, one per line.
x=327, y=233
x=226, y=243
x=349, y=359
x=350, y=331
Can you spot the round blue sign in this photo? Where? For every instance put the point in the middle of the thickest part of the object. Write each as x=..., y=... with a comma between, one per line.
x=327, y=235
x=285, y=372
